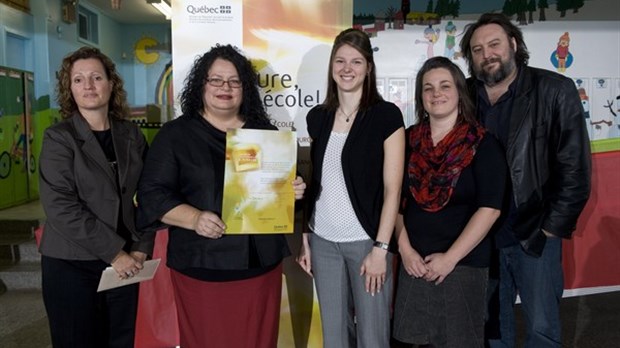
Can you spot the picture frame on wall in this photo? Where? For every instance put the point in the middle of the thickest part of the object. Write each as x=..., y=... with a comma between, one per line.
x=398, y=93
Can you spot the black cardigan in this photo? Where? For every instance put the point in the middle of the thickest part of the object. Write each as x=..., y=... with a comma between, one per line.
x=362, y=158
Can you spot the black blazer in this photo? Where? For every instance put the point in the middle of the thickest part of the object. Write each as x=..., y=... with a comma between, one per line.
x=79, y=192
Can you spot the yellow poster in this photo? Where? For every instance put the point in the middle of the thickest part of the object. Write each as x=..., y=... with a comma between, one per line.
x=259, y=172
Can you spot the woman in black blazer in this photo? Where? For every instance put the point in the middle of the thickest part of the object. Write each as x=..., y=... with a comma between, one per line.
x=90, y=164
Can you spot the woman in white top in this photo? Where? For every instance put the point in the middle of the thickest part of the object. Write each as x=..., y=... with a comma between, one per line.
x=358, y=157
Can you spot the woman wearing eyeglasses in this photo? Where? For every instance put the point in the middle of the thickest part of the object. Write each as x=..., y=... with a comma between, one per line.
x=227, y=288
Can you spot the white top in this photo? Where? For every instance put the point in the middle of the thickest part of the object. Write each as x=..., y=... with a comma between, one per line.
x=333, y=218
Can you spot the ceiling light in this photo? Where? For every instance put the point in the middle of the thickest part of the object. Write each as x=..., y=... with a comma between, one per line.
x=163, y=7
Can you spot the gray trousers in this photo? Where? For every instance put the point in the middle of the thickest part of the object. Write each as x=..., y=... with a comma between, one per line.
x=350, y=316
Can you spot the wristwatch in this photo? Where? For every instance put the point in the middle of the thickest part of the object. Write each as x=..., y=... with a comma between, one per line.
x=381, y=245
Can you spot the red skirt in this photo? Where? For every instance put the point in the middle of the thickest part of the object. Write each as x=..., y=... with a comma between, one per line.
x=235, y=314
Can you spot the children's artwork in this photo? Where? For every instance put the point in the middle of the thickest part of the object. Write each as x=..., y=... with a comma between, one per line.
x=561, y=58
x=583, y=87
x=399, y=95
x=431, y=36
x=450, y=41
x=603, y=116
x=381, y=88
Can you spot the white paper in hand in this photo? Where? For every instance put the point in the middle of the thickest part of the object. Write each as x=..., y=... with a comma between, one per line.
x=110, y=279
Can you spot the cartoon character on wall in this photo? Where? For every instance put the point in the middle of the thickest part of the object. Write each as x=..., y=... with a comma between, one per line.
x=431, y=36
x=585, y=103
x=450, y=41
x=561, y=58
x=610, y=106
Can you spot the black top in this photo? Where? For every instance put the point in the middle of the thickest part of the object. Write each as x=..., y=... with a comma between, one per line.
x=481, y=184
x=362, y=158
x=186, y=166
x=104, y=138
x=496, y=119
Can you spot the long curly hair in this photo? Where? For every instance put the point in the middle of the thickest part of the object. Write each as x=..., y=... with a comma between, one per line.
x=466, y=106
x=117, y=105
x=522, y=55
x=361, y=42
x=192, y=95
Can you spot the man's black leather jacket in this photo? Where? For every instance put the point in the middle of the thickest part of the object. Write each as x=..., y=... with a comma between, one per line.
x=548, y=152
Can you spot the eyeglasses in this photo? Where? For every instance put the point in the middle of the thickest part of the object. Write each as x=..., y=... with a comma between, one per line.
x=217, y=82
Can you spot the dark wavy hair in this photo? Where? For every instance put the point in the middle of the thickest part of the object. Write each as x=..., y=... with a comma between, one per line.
x=522, y=55
x=251, y=107
x=466, y=105
x=117, y=105
x=361, y=42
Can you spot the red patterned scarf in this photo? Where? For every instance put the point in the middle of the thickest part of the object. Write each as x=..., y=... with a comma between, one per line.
x=434, y=171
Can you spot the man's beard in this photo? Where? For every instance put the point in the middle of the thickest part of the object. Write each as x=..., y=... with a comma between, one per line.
x=492, y=78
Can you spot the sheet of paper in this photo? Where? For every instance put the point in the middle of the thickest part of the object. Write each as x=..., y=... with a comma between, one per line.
x=258, y=192
x=110, y=279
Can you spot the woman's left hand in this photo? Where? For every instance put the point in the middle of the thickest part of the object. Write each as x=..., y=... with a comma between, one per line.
x=126, y=265
x=299, y=186
x=374, y=267
x=439, y=266
x=138, y=256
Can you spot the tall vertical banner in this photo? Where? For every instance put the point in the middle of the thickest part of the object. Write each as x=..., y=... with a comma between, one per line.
x=288, y=42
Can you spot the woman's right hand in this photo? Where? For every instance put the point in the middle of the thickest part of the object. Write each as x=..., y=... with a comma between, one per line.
x=412, y=261
x=303, y=259
x=208, y=224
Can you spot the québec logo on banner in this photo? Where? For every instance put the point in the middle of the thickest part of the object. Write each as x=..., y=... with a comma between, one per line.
x=213, y=10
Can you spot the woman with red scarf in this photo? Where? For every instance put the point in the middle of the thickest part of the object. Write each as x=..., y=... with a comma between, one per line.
x=453, y=188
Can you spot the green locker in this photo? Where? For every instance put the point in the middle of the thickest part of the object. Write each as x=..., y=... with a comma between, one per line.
x=17, y=133
x=6, y=182
x=29, y=115
x=19, y=146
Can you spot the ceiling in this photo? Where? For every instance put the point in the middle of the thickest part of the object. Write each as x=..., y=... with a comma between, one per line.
x=131, y=12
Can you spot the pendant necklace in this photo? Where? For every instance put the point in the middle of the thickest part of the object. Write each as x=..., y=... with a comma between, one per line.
x=347, y=117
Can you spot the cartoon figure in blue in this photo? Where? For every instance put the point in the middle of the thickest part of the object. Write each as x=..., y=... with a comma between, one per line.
x=450, y=40
x=430, y=38
x=561, y=58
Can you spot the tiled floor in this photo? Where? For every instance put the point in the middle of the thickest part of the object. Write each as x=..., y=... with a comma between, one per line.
x=23, y=323
x=587, y=321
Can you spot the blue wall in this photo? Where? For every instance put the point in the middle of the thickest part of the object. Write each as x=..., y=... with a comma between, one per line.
x=47, y=39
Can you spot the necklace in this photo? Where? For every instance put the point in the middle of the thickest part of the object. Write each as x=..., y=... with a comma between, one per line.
x=347, y=117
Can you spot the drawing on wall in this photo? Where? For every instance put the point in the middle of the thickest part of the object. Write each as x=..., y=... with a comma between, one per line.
x=381, y=88
x=431, y=36
x=399, y=94
x=450, y=41
x=613, y=105
x=416, y=29
x=582, y=88
x=602, y=117
x=561, y=58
